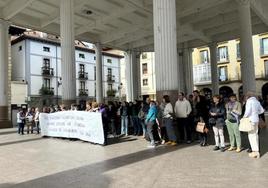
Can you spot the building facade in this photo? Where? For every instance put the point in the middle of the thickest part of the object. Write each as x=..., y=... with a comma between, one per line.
x=147, y=74
x=36, y=60
x=229, y=67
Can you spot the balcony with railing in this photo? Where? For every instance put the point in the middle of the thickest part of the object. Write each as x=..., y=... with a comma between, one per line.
x=110, y=78
x=82, y=75
x=47, y=71
x=83, y=92
x=46, y=90
x=202, y=74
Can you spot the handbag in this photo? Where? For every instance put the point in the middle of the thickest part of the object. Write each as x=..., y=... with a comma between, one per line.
x=262, y=124
x=245, y=125
x=201, y=127
x=231, y=118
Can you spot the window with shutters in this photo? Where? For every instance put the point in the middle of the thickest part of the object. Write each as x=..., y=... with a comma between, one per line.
x=204, y=57
x=82, y=85
x=145, y=82
x=223, y=73
x=46, y=49
x=266, y=68
x=222, y=55
x=264, y=46
x=238, y=54
x=46, y=82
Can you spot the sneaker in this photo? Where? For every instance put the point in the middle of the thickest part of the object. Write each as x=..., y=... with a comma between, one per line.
x=238, y=150
x=188, y=142
x=222, y=149
x=163, y=142
x=169, y=142
x=151, y=146
x=254, y=155
x=231, y=148
x=216, y=148
x=173, y=144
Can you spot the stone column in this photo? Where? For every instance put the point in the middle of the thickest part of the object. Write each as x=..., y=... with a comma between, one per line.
x=68, y=68
x=132, y=75
x=165, y=46
x=214, y=68
x=138, y=78
x=246, y=47
x=128, y=76
x=4, y=45
x=99, y=76
x=181, y=71
x=188, y=70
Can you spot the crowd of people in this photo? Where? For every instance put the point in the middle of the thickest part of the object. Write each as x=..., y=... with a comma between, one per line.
x=163, y=123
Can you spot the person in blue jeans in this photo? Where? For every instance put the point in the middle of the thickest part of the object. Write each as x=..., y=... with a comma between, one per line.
x=168, y=116
x=150, y=122
x=21, y=121
x=142, y=117
x=124, y=119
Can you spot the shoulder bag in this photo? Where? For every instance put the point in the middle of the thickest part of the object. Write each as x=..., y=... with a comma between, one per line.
x=245, y=125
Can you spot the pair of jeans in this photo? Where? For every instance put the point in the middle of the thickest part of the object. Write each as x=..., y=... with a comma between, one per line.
x=234, y=134
x=150, y=129
x=168, y=123
x=112, y=126
x=203, y=138
x=29, y=124
x=37, y=126
x=142, y=123
x=254, y=138
x=136, y=126
x=219, y=136
x=184, y=127
x=124, y=125
x=20, y=128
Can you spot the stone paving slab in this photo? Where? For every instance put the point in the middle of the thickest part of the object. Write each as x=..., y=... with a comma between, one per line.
x=32, y=161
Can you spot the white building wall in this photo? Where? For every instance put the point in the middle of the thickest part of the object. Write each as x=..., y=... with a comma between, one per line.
x=18, y=61
x=150, y=89
x=30, y=64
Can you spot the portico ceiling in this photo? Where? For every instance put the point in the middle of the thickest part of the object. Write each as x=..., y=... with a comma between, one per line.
x=128, y=24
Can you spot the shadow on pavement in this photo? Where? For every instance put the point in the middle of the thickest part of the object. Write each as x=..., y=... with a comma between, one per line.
x=92, y=175
x=20, y=141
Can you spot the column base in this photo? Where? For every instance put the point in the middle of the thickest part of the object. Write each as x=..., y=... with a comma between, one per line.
x=5, y=124
x=3, y=113
x=173, y=95
x=68, y=103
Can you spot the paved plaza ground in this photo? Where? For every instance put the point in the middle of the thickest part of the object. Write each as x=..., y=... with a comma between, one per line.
x=31, y=161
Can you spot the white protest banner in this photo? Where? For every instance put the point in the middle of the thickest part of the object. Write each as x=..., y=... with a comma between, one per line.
x=73, y=124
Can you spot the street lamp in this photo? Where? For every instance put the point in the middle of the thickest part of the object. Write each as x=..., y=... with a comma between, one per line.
x=59, y=83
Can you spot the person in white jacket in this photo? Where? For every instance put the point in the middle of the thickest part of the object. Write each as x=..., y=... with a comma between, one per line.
x=182, y=111
x=252, y=111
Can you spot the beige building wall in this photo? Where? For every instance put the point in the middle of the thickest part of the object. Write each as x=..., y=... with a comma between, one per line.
x=148, y=89
x=233, y=65
x=18, y=92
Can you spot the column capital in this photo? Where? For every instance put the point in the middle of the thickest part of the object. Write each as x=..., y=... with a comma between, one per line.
x=97, y=45
x=213, y=45
x=243, y=2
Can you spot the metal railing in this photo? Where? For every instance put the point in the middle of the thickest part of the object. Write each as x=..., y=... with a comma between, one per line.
x=47, y=71
x=82, y=75
x=83, y=92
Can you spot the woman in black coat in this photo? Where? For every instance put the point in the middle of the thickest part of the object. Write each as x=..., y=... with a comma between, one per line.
x=217, y=121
